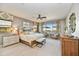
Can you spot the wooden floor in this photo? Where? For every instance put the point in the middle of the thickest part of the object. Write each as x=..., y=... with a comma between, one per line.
x=51, y=48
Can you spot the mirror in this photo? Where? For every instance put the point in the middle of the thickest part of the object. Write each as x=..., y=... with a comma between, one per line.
x=72, y=23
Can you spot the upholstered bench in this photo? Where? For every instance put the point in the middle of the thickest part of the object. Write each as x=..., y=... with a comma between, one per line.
x=40, y=42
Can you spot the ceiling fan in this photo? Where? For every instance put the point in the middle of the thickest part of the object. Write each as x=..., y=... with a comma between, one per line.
x=40, y=17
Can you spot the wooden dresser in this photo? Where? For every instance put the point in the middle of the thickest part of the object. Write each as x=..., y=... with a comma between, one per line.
x=69, y=46
x=10, y=39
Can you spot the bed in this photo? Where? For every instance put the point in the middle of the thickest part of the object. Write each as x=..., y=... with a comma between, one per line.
x=29, y=39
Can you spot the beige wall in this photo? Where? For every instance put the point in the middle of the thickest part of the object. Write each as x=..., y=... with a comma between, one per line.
x=18, y=22
x=61, y=27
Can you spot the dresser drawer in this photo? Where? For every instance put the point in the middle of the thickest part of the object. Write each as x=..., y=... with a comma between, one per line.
x=69, y=46
x=10, y=40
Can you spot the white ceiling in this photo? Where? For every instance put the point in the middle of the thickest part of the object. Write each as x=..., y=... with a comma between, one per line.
x=52, y=11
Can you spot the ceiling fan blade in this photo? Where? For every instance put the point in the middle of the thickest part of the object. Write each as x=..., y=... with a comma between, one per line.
x=39, y=17
x=43, y=17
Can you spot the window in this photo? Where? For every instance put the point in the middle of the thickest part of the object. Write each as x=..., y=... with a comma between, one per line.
x=27, y=26
x=50, y=27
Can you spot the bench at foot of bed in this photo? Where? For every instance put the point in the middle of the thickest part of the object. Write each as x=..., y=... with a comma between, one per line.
x=38, y=43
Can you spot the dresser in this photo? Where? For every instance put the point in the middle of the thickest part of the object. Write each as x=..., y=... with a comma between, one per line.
x=69, y=46
x=9, y=40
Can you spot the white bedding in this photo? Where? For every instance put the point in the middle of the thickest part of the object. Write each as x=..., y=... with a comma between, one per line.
x=30, y=37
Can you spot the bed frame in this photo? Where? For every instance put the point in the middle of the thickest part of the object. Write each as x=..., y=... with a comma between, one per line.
x=34, y=43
